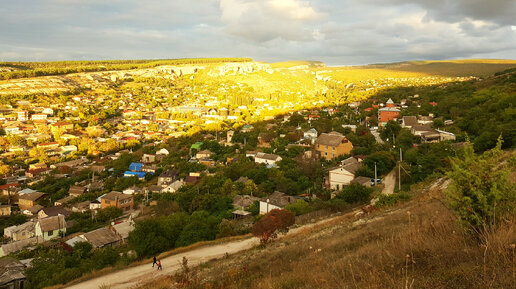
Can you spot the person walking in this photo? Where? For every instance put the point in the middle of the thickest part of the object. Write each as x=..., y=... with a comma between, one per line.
x=159, y=265
x=154, y=261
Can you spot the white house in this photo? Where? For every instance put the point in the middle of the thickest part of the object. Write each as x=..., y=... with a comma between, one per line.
x=342, y=176
x=311, y=135
x=277, y=200
x=174, y=187
x=268, y=159
x=51, y=227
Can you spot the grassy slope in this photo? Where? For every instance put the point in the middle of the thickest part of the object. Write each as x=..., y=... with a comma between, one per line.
x=417, y=244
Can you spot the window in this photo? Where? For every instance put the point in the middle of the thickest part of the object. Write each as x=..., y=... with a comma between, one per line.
x=333, y=148
x=50, y=233
x=108, y=202
x=326, y=154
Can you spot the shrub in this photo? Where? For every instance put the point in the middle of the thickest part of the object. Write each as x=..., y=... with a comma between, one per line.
x=390, y=200
x=299, y=208
x=276, y=221
x=355, y=193
x=479, y=191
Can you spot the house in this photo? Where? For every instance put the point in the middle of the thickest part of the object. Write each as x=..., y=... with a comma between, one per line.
x=151, y=169
x=246, y=128
x=277, y=200
x=61, y=127
x=29, y=200
x=409, y=121
x=133, y=190
x=444, y=135
x=76, y=191
x=207, y=162
x=310, y=135
x=102, y=237
x=174, y=187
x=192, y=178
x=95, y=204
x=167, y=177
x=430, y=136
x=50, y=228
x=20, y=232
x=420, y=129
x=14, y=247
x=162, y=152
x=139, y=175
x=81, y=207
x=32, y=210
x=53, y=211
x=340, y=177
x=203, y=154
x=268, y=159
x=97, y=168
x=5, y=210
x=422, y=119
x=117, y=199
x=12, y=273
x=36, y=172
x=123, y=229
x=155, y=189
x=386, y=114
x=135, y=167
x=241, y=202
x=148, y=158
x=332, y=145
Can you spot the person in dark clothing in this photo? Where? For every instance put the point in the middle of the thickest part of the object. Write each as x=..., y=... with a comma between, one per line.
x=154, y=261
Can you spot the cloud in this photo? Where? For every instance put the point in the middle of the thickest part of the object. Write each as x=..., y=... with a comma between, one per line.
x=265, y=20
x=334, y=31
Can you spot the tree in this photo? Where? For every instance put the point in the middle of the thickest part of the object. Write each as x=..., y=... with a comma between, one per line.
x=146, y=238
x=299, y=208
x=355, y=193
x=391, y=129
x=276, y=221
x=479, y=190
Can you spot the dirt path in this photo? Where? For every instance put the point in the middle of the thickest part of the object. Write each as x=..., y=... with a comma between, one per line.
x=389, y=181
x=141, y=274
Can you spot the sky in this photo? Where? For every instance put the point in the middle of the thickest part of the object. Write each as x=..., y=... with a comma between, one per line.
x=337, y=32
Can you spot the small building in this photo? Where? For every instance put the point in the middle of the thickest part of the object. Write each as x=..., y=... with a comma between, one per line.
x=53, y=211
x=409, y=121
x=5, y=210
x=50, y=228
x=12, y=274
x=203, y=154
x=267, y=159
x=332, y=145
x=101, y=238
x=76, y=191
x=20, y=232
x=277, y=200
x=135, y=167
x=310, y=135
x=27, y=201
x=420, y=129
x=167, y=177
x=148, y=158
x=174, y=187
x=123, y=229
x=340, y=177
x=117, y=199
x=139, y=175
x=240, y=202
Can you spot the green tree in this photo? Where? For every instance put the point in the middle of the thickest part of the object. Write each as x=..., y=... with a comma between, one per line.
x=479, y=190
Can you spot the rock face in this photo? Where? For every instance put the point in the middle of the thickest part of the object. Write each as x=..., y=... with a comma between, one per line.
x=240, y=68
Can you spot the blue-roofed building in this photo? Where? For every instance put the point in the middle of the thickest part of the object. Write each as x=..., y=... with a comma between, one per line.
x=135, y=167
x=140, y=175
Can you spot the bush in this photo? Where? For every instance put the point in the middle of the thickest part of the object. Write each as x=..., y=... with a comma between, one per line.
x=355, y=193
x=108, y=214
x=479, y=190
x=299, y=208
x=276, y=221
x=390, y=200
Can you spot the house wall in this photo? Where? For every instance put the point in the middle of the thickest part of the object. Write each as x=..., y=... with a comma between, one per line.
x=264, y=161
x=385, y=116
x=46, y=236
x=25, y=204
x=265, y=208
x=340, y=179
x=330, y=152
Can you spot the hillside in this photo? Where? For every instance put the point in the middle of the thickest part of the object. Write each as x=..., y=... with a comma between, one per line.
x=417, y=244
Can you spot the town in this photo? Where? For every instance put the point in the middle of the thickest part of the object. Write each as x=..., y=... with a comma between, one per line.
x=208, y=158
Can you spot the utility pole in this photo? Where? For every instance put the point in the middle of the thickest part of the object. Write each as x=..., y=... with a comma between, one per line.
x=375, y=174
x=399, y=169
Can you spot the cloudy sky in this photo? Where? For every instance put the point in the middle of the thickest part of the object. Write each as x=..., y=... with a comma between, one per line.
x=338, y=32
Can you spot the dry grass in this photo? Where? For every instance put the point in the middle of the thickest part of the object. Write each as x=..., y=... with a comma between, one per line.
x=416, y=245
